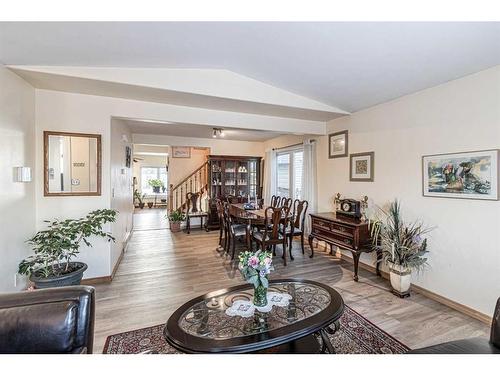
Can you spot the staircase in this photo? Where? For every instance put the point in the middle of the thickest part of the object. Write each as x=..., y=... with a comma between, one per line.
x=196, y=182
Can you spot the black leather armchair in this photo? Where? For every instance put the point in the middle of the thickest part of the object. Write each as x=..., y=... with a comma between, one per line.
x=470, y=346
x=55, y=320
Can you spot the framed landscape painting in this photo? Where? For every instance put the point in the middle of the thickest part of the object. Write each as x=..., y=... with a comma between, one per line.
x=470, y=175
x=362, y=166
x=181, y=152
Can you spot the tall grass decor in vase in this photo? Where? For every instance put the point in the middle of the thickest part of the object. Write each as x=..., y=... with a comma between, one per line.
x=255, y=267
x=402, y=245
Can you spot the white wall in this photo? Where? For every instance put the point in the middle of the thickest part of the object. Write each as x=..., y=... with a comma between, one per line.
x=17, y=199
x=461, y=115
x=180, y=168
x=121, y=189
x=217, y=146
x=285, y=141
x=74, y=113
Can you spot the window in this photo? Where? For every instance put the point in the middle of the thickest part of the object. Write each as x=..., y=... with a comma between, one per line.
x=152, y=173
x=289, y=173
x=283, y=170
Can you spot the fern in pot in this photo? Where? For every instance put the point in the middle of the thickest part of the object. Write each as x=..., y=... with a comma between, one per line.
x=55, y=247
x=402, y=246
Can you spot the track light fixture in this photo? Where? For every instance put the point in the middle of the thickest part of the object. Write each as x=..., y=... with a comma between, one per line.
x=217, y=133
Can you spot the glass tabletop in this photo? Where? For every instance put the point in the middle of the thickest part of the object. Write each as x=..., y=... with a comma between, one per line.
x=208, y=319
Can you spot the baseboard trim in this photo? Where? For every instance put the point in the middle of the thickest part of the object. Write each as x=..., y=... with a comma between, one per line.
x=115, y=268
x=454, y=305
x=96, y=280
x=108, y=279
x=485, y=318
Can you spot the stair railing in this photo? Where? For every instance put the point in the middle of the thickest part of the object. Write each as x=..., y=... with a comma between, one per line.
x=196, y=182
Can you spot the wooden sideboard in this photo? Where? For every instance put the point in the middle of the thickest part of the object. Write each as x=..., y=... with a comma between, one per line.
x=344, y=232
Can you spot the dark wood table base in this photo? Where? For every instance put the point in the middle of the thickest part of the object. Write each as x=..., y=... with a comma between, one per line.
x=316, y=343
x=305, y=345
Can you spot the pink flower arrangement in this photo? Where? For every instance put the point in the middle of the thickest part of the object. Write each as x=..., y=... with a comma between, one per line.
x=256, y=266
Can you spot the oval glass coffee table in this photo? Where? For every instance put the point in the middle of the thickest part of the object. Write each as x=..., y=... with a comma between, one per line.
x=298, y=323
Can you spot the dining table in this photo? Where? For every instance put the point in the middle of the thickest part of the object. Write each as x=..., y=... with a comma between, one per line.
x=250, y=217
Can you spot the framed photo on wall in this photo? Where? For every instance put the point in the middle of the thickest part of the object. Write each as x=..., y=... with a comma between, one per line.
x=181, y=152
x=469, y=175
x=128, y=156
x=337, y=144
x=362, y=167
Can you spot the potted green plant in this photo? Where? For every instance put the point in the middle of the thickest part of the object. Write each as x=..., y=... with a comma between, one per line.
x=402, y=245
x=139, y=197
x=175, y=218
x=55, y=246
x=156, y=184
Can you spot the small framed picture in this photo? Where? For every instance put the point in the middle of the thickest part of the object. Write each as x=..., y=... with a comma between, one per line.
x=470, y=175
x=181, y=152
x=128, y=156
x=337, y=144
x=362, y=166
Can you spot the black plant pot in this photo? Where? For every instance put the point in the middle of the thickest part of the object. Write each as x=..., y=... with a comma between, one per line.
x=141, y=205
x=156, y=189
x=73, y=278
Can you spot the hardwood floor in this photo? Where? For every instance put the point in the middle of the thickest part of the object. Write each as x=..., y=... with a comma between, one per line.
x=162, y=270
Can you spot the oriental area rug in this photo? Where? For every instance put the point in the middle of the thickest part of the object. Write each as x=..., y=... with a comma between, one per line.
x=356, y=335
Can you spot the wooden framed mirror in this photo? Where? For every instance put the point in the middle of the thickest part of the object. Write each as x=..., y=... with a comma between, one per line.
x=72, y=164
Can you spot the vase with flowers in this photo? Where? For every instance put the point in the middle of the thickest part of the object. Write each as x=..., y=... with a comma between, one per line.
x=255, y=268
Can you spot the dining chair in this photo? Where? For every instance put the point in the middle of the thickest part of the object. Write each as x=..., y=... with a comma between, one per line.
x=231, y=199
x=270, y=235
x=286, y=202
x=192, y=211
x=275, y=201
x=234, y=231
x=222, y=225
x=297, y=222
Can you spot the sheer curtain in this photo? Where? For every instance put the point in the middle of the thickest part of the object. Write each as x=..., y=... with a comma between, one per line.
x=269, y=176
x=309, y=179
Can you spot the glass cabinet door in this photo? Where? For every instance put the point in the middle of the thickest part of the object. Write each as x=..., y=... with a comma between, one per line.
x=242, y=179
x=230, y=177
x=252, y=179
x=216, y=179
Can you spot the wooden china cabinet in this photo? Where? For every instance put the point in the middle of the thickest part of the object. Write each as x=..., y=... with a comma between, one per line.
x=232, y=176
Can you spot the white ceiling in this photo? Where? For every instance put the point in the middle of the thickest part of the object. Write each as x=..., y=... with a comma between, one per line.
x=217, y=89
x=347, y=65
x=197, y=131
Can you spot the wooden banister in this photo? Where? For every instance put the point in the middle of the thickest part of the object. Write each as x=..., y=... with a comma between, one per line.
x=191, y=175
x=196, y=182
